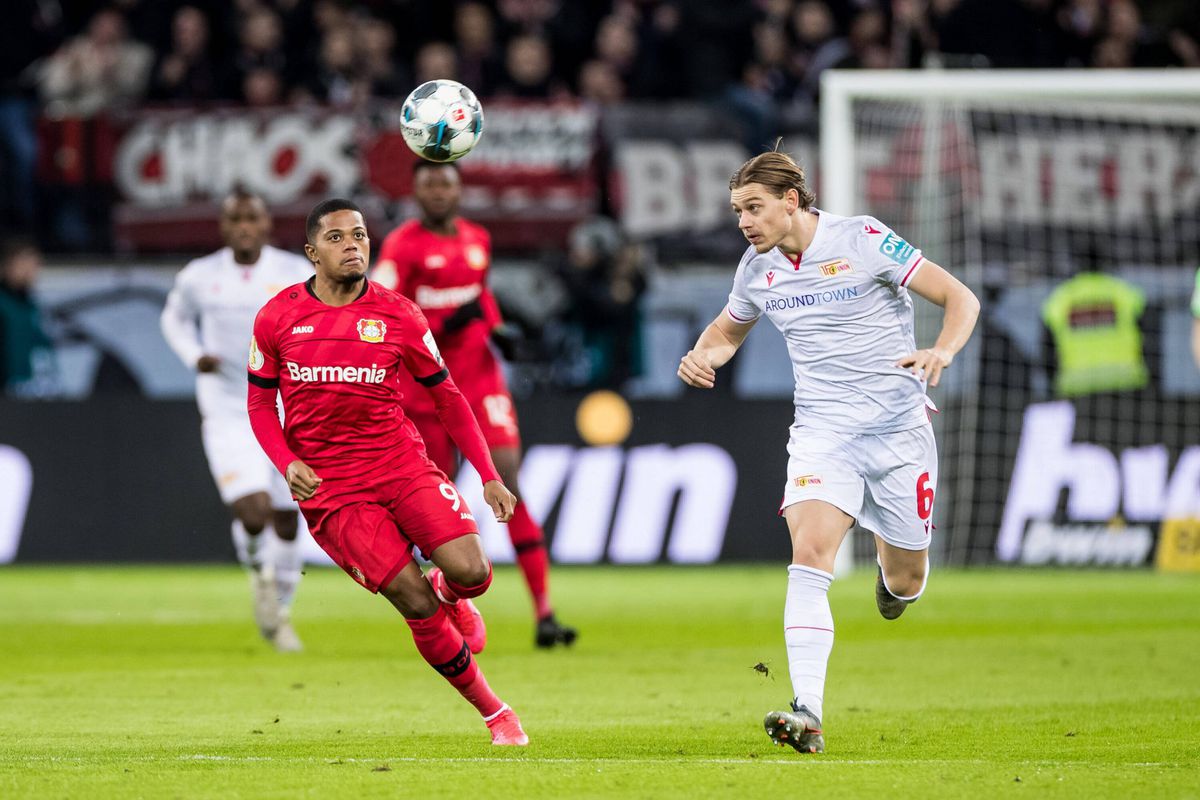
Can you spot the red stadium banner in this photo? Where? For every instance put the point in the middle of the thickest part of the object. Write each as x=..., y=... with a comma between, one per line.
x=530, y=180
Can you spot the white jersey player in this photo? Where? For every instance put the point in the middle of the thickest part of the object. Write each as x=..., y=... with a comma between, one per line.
x=207, y=321
x=861, y=445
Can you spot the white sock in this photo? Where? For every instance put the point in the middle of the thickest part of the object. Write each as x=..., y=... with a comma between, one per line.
x=808, y=633
x=913, y=598
x=249, y=548
x=287, y=561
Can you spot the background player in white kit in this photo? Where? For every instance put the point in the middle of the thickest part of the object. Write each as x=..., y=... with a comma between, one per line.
x=861, y=446
x=207, y=320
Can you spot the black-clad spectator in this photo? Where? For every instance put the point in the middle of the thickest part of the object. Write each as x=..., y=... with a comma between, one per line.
x=260, y=46
x=33, y=29
x=101, y=69
x=435, y=60
x=530, y=70
x=605, y=278
x=187, y=72
x=479, y=62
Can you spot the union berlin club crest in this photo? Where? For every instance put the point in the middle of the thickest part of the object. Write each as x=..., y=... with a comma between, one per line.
x=371, y=330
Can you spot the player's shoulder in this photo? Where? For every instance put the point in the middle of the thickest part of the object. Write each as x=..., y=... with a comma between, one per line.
x=392, y=302
x=403, y=232
x=203, y=265
x=288, y=299
x=287, y=260
x=752, y=260
x=474, y=230
x=862, y=232
x=859, y=226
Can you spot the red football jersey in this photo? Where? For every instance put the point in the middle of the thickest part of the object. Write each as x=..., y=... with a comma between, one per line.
x=337, y=369
x=442, y=273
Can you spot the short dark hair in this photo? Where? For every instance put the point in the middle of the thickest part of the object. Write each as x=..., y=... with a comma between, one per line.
x=424, y=163
x=312, y=225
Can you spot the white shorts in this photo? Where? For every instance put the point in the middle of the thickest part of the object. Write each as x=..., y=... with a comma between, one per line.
x=886, y=481
x=237, y=463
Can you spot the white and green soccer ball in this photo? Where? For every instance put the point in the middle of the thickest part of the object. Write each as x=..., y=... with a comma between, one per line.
x=441, y=120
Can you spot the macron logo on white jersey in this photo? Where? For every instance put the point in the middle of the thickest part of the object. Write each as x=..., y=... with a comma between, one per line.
x=371, y=374
x=302, y=329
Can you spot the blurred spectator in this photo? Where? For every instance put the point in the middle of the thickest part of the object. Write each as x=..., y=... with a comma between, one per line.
x=376, y=40
x=718, y=41
x=260, y=46
x=530, y=71
x=336, y=79
x=98, y=70
x=25, y=349
x=1131, y=41
x=812, y=27
x=617, y=45
x=604, y=277
x=187, y=72
x=478, y=54
x=435, y=60
x=599, y=83
x=526, y=16
x=30, y=33
x=262, y=87
x=1082, y=26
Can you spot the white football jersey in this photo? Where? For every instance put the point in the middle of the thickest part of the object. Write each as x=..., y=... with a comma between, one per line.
x=847, y=318
x=211, y=310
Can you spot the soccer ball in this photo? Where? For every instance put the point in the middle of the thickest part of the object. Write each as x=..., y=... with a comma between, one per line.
x=441, y=120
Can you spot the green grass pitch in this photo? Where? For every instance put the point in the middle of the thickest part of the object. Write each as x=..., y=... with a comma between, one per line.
x=151, y=682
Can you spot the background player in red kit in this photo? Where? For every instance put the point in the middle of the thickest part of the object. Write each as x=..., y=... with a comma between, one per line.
x=334, y=347
x=441, y=262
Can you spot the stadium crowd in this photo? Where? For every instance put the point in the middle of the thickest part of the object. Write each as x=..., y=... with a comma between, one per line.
x=68, y=58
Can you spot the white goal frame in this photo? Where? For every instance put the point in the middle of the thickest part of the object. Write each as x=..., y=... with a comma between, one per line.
x=1172, y=92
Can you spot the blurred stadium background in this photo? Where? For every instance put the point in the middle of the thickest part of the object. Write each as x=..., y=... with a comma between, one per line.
x=611, y=130
x=1046, y=151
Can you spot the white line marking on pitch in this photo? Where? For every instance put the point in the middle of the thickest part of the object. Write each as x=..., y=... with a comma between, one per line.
x=792, y=761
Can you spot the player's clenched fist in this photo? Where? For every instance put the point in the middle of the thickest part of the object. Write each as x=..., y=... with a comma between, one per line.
x=302, y=480
x=695, y=369
x=502, y=501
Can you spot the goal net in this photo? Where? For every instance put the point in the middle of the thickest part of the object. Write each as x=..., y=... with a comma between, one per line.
x=1068, y=201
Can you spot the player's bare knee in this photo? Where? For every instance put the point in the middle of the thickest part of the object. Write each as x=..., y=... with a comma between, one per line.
x=905, y=582
x=471, y=572
x=808, y=554
x=253, y=511
x=287, y=524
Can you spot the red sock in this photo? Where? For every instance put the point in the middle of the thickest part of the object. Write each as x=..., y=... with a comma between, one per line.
x=440, y=643
x=527, y=541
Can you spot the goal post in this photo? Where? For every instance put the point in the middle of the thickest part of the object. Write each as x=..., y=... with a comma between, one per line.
x=1020, y=182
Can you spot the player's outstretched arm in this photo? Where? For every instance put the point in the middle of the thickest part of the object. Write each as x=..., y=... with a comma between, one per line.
x=962, y=310
x=720, y=340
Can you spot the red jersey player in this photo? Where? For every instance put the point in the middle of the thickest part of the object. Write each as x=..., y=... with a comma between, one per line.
x=441, y=262
x=334, y=348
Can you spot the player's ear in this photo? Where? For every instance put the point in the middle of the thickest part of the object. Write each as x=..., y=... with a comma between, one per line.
x=791, y=201
x=311, y=252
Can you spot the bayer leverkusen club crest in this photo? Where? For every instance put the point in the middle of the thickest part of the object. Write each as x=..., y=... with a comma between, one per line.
x=371, y=330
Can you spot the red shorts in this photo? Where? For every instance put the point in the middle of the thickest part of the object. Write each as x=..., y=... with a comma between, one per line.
x=370, y=528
